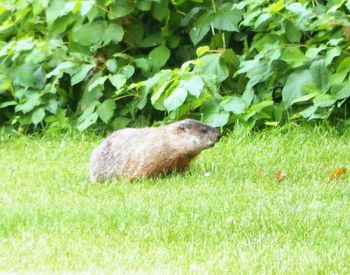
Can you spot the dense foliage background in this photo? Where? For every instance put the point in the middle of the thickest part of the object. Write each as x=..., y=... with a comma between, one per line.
x=136, y=62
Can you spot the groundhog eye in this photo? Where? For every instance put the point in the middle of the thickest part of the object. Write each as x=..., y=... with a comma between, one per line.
x=204, y=131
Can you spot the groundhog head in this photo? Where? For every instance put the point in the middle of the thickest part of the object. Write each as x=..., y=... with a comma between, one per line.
x=195, y=136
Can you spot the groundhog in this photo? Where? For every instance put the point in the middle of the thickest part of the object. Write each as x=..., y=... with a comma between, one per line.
x=133, y=153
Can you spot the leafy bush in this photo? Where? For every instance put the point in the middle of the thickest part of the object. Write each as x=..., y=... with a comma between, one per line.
x=123, y=62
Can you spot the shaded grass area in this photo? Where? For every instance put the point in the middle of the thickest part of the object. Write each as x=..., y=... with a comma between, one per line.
x=228, y=213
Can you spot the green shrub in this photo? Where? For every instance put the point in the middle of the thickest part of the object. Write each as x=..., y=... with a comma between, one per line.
x=122, y=62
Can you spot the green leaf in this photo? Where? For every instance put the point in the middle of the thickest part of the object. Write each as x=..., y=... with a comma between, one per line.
x=157, y=98
x=134, y=34
x=248, y=95
x=309, y=112
x=81, y=74
x=54, y=11
x=262, y=22
x=304, y=98
x=174, y=41
x=112, y=65
x=5, y=83
x=8, y=103
x=24, y=75
x=312, y=52
x=344, y=64
x=257, y=108
x=234, y=104
x=28, y=105
x=293, y=56
x=292, y=32
x=338, y=77
x=209, y=107
x=217, y=120
x=144, y=5
x=38, y=116
x=97, y=82
x=348, y=5
x=267, y=43
x=89, y=34
x=201, y=27
x=114, y=32
x=260, y=73
x=52, y=106
x=120, y=122
x=86, y=6
x=324, y=101
x=297, y=8
x=88, y=121
x=319, y=74
x=61, y=25
x=250, y=18
x=39, y=78
x=271, y=123
x=226, y=18
x=88, y=110
x=106, y=110
x=60, y=69
x=214, y=66
x=293, y=88
x=202, y=50
x=161, y=10
x=276, y=7
x=38, y=6
x=230, y=59
x=24, y=45
x=159, y=56
x=36, y=56
x=143, y=64
x=163, y=78
x=118, y=80
x=342, y=71
x=127, y=70
x=120, y=8
x=343, y=92
x=331, y=54
x=152, y=40
x=311, y=88
x=194, y=85
x=177, y=2
x=247, y=66
x=176, y=99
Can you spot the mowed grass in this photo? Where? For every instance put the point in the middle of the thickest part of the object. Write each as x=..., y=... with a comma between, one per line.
x=227, y=214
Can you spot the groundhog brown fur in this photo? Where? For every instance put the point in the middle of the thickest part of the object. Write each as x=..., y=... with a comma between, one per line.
x=133, y=153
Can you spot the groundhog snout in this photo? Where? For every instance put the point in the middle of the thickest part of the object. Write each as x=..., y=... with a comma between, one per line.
x=215, y=138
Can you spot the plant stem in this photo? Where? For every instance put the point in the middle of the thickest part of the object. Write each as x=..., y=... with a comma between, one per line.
x=214, y=5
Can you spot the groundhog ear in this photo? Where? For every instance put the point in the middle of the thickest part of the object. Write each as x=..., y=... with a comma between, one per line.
x=179, y=129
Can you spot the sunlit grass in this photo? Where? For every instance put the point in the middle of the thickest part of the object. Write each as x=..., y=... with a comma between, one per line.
x=228, y=213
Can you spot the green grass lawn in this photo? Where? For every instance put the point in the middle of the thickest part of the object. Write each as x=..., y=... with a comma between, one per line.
x=228, y=213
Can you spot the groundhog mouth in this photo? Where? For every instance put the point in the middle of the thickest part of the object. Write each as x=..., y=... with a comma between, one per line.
x=211, y=145
x=216, y=141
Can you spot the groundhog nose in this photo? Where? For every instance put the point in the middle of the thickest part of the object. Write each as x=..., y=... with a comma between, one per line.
x=218, y=137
